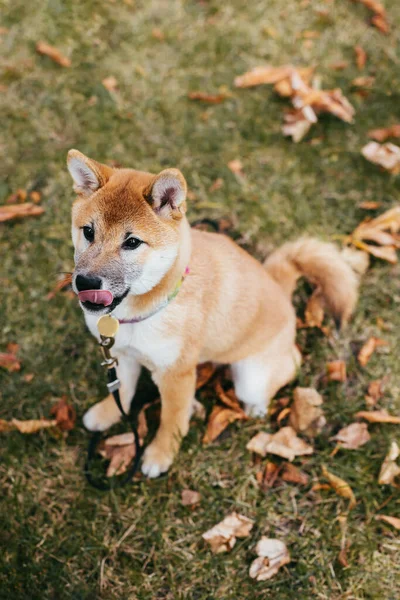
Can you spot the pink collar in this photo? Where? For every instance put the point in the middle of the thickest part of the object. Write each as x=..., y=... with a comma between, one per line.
x=162, y=305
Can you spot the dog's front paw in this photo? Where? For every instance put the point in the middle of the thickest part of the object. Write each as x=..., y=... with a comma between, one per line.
x=102, y=415
x=156, y=460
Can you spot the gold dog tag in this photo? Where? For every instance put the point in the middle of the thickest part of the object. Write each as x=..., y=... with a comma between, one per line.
x=108, y=326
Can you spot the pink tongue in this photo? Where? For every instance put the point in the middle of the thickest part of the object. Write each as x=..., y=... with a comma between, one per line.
x=96, y=296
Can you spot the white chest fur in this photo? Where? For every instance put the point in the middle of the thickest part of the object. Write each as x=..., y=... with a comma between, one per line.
x=148, y=341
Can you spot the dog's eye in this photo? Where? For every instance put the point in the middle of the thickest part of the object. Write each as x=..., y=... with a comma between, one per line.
x=88, y=232
x=131, y=243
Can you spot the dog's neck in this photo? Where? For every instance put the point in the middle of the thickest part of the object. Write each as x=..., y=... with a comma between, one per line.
x=141, y=305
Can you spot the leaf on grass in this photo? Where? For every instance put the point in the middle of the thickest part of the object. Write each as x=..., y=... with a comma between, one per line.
x=370, y=205
x=157, y=34
x=204, y=373
x=62, y=284
x=390, y=469
x=307, y=415
x=190, y=497
x=228, y=398
x=222, y=537
x=120, y=450
x=29, y=426
x=374, y=392
x=45, y=49
x=353, y=436
x=219, y=420
x=110, y=83
x=377, y=416
x=379, y=20
x=386, y=155
x=361, y=57
x=336, y=370
x=19, y=211
x=263, y=75
x=314, y=312
x=339, y=65
x=284, y=443
x=236, y=167
x=294, y=475
x=368, y=349
x=394, y=521
x=64, y=414
x=9, y=362
x=208, y=98
x=363, y=82
x=297, y=123
x=386, y=253
x=381, y=135
x=340, y=486
x=269, y=475
x=272, y=555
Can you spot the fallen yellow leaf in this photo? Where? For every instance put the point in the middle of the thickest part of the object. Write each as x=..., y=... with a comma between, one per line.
x=340, y=486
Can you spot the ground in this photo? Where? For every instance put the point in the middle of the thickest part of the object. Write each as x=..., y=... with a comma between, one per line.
x=59, y=537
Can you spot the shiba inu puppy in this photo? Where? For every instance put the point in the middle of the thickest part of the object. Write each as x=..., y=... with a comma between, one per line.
x=185, y=296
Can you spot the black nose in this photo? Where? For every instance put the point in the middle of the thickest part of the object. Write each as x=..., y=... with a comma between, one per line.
x=87, y=282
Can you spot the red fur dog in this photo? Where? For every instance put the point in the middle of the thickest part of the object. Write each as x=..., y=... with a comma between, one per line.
x=184, y=296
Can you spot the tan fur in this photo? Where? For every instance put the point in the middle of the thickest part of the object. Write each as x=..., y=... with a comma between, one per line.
x=230, y=308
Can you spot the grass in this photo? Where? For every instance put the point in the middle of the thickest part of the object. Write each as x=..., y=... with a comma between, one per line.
x=61, y=539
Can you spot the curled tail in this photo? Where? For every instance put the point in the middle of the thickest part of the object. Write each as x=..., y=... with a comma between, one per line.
x=322, y=264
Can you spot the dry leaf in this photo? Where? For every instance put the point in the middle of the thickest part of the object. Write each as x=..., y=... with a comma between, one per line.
x=269, y=475
x=219, y=420
x=228, y=398
x=370, y=205
x=361, y=57
x=208, y=98
x=110, y=83
x=369, y=348
x=158, y=34
x=236, y=167
x=204, y=373
x=28, y=377
x=389, y=469
x=380, y=16
x=386, y=155
x=381, y=24
x=377, y=416
x=353, y=436
x=284, y=443
x=18, y=196
x=297, y=123
x=381, y=135
x=374, y=392
x=61, y=284
x=222, y=537
x=272, y=555
x=294, y=475
x=190, y=497
x=64, y=414
x=314, y=312
x=53, y=53
x=363, y=82
x=120, y=450
x=340, y=65
x=340, y=486
x=394, y=521
x=263, y=75
x=9, y=362
x=33, y=425
x=307, y=415
x=35, y=197
x=386, y=253
x=18, y=211
x=336, y=370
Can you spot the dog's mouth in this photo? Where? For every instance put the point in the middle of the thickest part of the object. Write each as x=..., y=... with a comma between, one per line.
x=95, y=301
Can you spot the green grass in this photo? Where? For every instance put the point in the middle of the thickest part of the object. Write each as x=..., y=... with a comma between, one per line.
x=60, y=538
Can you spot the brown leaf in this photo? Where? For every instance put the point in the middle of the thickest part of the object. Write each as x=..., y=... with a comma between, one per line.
x=294, y=475
x=269, y=476
x=120, y=459
x=208, y=98
x=110, y=83
x=381, y=135
x=61, y=284
x=222, y=537
x=339, y=65
x=33, y=425
x=272, y=555
x=236, y=167
x=64, y=414
x=284, y=443
x=297, y=123
x=381, y=24
x=283, y=414
x=353, y=436
x=16, y=197
x=374, y=392
x=389, y=469
x=6, y=426
x=386, y=253
x=340, y=486
x=157, y=34
x=190, y=497
x=53, y=53
x=219, y=420
x=216, y=185
x=377, y=416
x=35, y=197
x=314, y=312
x=307, y=415
x=361, y=57
x=9, y=362
x=369, y=348
x=263, y=75
x=204, y=373
x=394, y=521
x=228, y=398
x=370, y=205
x=386, y=155
x=19, y=211
x=363, y=82
x=336, y=370
x=28, y=377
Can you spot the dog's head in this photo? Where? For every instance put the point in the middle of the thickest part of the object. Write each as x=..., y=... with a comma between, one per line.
x=125, y=230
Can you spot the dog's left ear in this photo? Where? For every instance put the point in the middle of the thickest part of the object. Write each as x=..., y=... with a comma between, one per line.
x=88, y=175
x=167, y=193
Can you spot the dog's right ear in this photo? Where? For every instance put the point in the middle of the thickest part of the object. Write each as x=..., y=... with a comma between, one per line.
x=88, y=175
